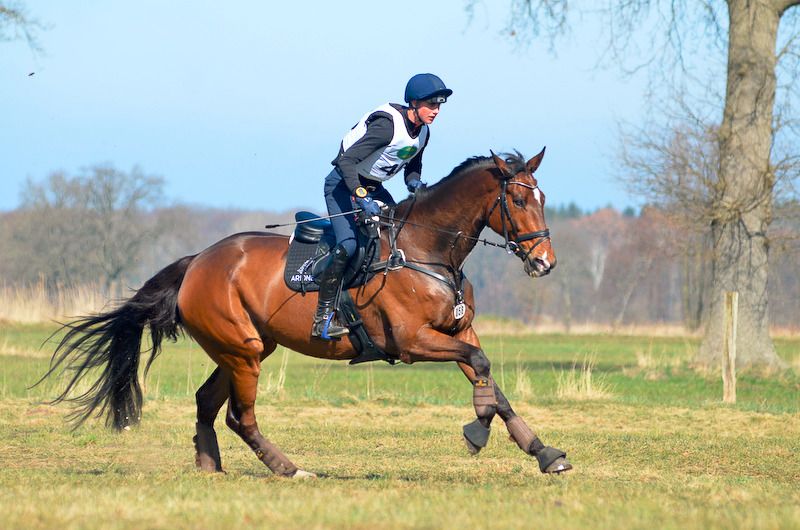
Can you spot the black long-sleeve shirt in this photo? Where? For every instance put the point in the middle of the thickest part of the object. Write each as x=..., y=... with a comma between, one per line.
x=380, y=130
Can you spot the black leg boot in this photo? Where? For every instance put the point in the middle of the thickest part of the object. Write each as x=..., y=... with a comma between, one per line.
x=325, y=324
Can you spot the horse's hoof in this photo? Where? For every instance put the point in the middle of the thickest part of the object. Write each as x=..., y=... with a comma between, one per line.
x=475, y=436
x=206, y=455
x=206, y=464
x=559, y=465
x=471, y=447
x=300, y=474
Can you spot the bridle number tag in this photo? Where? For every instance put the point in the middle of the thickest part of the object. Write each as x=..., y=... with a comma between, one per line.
x=459, y=311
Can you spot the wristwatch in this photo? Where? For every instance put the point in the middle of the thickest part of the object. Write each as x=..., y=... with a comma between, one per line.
x=360, y=192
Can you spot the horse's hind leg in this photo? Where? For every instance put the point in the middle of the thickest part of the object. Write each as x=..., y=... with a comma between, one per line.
x=238, y=350
x=550, y=459
x=210, y=397
x=242, y=420
x=241, y=360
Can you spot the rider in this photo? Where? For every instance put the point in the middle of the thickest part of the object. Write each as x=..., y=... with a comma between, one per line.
x=384, y=141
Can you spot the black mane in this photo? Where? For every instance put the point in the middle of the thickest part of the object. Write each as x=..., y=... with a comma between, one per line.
x=516, y=163
x=468, y=164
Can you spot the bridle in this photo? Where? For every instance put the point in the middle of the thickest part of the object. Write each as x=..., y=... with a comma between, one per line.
x=512, y=244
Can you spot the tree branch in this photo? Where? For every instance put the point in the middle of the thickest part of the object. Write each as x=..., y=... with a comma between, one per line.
x=783, y=5
x=15, y=23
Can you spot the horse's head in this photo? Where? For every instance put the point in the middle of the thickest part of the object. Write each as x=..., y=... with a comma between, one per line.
x=518, y=213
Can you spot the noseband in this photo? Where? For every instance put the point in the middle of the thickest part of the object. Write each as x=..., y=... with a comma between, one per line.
x=512, y=244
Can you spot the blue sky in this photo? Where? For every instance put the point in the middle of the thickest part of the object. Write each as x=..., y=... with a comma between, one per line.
x=243, y=104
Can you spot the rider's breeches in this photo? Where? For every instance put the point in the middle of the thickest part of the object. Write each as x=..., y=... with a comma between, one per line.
x=338, y=200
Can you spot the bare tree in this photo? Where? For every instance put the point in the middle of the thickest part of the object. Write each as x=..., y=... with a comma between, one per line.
x=87, y=228
x=675, y=165
x=16, y=24
x=603, y=229
x=575, y=283
x=662, y=36
x=648, y=242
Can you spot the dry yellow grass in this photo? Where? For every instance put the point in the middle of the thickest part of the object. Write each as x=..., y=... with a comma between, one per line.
x=502, y=326
x=580, y=383
x=488, y=325
x=37, y=303
x=7, y=348
x=522, y=383
x=654, y=365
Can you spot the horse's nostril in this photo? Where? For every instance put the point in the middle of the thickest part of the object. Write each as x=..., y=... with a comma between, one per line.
x=542, y=264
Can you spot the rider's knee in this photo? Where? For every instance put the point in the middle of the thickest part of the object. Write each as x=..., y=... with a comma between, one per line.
x=347, y=245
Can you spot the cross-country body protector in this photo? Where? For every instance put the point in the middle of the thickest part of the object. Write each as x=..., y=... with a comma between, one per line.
x=384, y=164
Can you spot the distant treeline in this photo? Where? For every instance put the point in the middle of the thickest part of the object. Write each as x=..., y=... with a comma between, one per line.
x=621, y=270
x=614, y=268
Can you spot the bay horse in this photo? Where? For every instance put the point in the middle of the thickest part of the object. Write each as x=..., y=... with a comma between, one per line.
x=231, y=298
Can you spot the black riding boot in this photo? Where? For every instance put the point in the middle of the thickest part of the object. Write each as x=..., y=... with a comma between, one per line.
x=325, y=324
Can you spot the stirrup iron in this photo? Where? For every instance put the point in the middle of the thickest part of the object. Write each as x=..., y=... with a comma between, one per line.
x=327, y=326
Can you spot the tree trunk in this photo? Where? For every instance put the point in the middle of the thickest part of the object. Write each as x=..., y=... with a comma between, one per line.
x=695, y=284
x=642, y=268
x=566, y=316
x=744, y=199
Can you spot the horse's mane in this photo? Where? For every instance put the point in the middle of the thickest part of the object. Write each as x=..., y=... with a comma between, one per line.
x=516, y=163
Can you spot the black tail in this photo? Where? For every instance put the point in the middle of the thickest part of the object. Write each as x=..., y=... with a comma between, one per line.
x=112, y=342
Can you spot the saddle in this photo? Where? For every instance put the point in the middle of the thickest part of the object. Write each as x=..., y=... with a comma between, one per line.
x=309, y=247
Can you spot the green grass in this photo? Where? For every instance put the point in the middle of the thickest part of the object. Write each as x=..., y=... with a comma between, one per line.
x=661, y=451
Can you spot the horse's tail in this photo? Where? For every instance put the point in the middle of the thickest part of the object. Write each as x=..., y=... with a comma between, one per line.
x=111, y=342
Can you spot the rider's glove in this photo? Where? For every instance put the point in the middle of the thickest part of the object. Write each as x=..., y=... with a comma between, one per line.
x=414, y=184
x=368, y=206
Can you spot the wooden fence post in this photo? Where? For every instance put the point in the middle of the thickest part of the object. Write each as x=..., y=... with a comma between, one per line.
x=729, y=347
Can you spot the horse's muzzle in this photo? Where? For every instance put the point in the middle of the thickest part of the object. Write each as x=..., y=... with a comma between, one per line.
x=536, y=267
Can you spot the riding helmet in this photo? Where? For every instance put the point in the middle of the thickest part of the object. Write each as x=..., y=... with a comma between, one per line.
x=425, y=86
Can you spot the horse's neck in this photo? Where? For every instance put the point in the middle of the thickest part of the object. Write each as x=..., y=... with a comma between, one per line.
x=444, y=225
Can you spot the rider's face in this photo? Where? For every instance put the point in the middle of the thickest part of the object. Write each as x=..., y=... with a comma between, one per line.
x=427, y=111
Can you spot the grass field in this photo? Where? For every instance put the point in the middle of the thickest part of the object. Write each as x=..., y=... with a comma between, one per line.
x=652, y=444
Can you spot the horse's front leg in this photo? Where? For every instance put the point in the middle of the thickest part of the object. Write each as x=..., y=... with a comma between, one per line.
x=432, y=345
x=550, y=459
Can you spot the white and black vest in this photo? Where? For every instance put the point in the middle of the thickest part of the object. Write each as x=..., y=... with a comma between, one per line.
x=387, y=162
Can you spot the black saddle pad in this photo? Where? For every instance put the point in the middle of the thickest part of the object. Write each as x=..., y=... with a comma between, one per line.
x=311, y=243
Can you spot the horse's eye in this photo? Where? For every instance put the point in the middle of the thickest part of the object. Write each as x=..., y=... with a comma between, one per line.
x=519, y=202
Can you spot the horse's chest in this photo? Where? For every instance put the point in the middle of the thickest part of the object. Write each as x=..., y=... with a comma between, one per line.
x=445, y=309
x=454, y=318
x=449, y=313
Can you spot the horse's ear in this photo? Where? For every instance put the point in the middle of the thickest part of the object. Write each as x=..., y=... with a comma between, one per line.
x=501, y=165
x=533, y=164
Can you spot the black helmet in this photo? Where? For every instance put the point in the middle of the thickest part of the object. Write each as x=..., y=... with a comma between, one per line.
x=426, y=86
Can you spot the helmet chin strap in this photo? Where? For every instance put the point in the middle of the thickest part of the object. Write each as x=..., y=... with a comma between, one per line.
x=416, y=114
